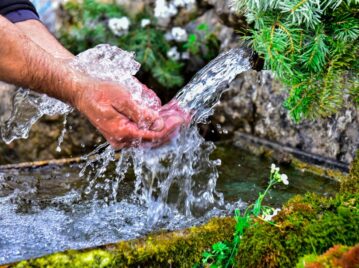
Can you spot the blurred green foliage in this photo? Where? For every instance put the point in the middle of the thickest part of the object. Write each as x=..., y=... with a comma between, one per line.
x=86, y=25
x=201, y=36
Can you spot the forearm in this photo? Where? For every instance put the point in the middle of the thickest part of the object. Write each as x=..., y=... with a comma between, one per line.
x=39, y=34
x=26, y=64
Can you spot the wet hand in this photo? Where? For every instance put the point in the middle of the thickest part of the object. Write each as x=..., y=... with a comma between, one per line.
x=121, y=120
x=173, y=109
x=174, y=116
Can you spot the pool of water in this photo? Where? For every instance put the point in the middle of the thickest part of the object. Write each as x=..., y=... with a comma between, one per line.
x=45, y=210
x=244, y=175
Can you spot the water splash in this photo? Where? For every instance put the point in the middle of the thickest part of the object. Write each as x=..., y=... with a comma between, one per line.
x=111, y=63
x=104, y=62
x=181, y=168
x=203, y=92
x=28, y=108
x=60, y=140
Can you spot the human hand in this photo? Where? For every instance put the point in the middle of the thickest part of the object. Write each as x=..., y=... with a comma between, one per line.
x=121, y=120
x=172, y=109
x=107, y=105
x=174, y=115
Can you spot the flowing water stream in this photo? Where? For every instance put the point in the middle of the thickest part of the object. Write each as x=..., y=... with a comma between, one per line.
x=114, y=196
x=45, y=210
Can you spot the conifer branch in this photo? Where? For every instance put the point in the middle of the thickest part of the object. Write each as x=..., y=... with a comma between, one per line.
x=312, y=47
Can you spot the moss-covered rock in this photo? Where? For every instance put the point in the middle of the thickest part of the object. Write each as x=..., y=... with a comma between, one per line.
x=171, y=249
x=322, y=171
x=336, y=257
x=351, y=183
x=305, y=225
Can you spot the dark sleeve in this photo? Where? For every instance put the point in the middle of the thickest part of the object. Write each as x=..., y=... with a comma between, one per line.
x=18, y=10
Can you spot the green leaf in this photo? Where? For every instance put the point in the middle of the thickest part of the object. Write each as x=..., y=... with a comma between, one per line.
x=202, y=27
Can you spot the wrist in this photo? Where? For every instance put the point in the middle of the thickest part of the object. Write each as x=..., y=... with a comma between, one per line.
x=74, y=85
x=59, y=79
x=38, y=33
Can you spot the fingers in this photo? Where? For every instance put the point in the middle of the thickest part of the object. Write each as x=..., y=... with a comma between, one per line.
x=172, y=109
x=172, y=124
x=129, y=135
x=144, y=117
x=127, y=123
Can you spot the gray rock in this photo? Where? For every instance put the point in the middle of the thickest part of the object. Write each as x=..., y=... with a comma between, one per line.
x=222, y=6
x=253, y=105
x=6, y=93
x=225, y=9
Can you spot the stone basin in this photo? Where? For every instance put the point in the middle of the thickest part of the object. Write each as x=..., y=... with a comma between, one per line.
x=44, y=209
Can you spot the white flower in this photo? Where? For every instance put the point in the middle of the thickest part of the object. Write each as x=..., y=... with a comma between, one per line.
x=160, y=8
x=164, y=10
x=267, y=217
x=270, y=216
x=179, y=34
x=184, y=3
x=272, y=168
x=173, y=54
x=172, y=9
x=284, y=179
x=145, y=22
x=185, y=55
x=119, y=26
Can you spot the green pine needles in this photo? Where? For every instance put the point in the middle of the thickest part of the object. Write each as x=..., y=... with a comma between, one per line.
x=312, y=47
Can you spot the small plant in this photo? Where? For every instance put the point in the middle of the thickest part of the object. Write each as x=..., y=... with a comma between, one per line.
x=202, y=36
x=223, y=254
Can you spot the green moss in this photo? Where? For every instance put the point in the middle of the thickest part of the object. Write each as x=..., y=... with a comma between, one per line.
x=318, y=170
x=337, y=256
x=176, y=249
x=350, y=183
x=307, y=224
x=94, y=258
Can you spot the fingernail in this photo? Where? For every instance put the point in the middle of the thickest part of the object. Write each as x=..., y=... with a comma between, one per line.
x=158, y=125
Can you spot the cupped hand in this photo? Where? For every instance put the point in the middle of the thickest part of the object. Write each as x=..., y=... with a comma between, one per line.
x=173, y=109
x=121, y=120
x=173, y=115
